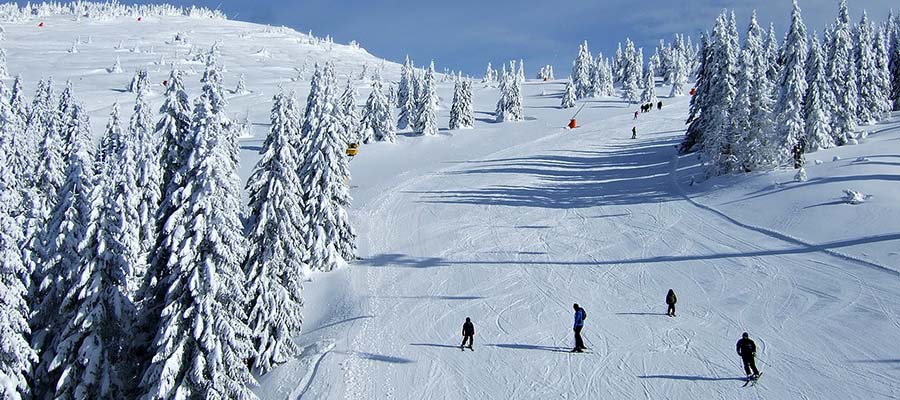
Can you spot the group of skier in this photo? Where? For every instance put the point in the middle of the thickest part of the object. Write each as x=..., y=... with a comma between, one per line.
x=746, y=348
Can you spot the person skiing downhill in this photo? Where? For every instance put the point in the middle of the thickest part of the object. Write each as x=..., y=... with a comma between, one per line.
x=634, y=132
x=579, y=324
x=635, y=114
x=468, y=332
x=671, y=299
x=746, y=348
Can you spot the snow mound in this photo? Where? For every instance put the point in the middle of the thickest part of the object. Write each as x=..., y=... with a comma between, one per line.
x=854, y=197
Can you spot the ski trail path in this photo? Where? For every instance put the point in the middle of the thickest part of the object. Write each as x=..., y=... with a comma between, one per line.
x=513, y=238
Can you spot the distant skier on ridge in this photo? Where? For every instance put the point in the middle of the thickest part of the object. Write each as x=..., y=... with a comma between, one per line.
x=468, y=332
x=746, y=348
x=579, y=324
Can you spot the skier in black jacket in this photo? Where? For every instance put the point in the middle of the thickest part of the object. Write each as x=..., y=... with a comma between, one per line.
x=671, y=300
x=747, y=350
x=468, y=332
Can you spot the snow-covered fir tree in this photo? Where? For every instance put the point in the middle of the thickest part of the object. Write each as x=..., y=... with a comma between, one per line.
x=275, y=262
x=324, y=174
x=241, y=87
x=894, y=65
x=872, y=104
x=582, y=70
x=678, y=71
x=404, y=87
x=461, y=113
x=202, y=340
x=758, y=139
x=490, y=74
x=882, y=67
x=568, y=99
x=116, y=68
x=741, y=121
x=111, y=142
x=173, y=131
x=140, y=163
x=509, y=106
x=716, y=144
x=696, y=121
x=607, y=87
x=819, y=100
x=630, y=73
x=4, y=72
x=426, y=121
x=377, y=123
x=772, y=54
x=841, y=70
x=140, y=83
x=16, y=354
x=788, y=112
x=62, y=257
x=648, y=95
x=349, y=115
x=94, y=338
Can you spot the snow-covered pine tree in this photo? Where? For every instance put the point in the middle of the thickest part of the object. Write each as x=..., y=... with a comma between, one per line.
x=678, y=68
x=4, y=72
x=490, y=74
x=520, y=74
x=604, y=78
x=630, y=73
x=16, y=154
x=818, y=102
x=95, y=312
x=501, y=110
x=116, y=68
x=275, y=262
x=377, y=122
x=111, y=142
x=568, y=99
x=772, y=54
x=894, y=65
x=618, y=62
x=173, y=130
x=202, y=339
x=841, y=70
x=17, y=99
x=648, y=94
x=461, y=115
x=426, y=122
x=870, y=97
x=62, y=258
x=405, y=87
x=582, y=69
x=241, y=87
x=324, y=175
x=882, y=66
x=758, y=139
x=788, y=113
x=16, y=354
x=696, y=121
x=509, y=106
x=716, y=143
x=140, y=83
x=741, y=121
x=349, y=115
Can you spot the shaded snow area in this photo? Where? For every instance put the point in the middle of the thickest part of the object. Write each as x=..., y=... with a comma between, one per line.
x=511, y=223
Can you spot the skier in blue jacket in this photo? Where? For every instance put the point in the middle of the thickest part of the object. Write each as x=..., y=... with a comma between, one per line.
x=579, y=324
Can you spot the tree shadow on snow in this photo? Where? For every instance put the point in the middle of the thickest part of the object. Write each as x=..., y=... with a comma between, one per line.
x=692, y=378
x=623, y=175
x=403, y=261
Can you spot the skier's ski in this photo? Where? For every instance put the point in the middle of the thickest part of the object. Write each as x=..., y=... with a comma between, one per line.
x=752, y=381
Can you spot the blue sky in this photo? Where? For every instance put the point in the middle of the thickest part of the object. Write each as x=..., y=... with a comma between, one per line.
x=466, y=34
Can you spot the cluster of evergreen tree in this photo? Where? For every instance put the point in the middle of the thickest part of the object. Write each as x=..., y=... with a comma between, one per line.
x=510, y=106
x=418, y=101
x=127, y=271
x=761, y=106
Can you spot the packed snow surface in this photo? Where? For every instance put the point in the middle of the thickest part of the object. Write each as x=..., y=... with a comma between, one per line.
x=511, y=223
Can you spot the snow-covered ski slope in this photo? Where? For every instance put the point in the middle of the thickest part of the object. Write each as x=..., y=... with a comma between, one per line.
x=510, y=224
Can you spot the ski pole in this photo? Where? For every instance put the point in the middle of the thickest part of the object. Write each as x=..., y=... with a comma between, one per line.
x=579, y=111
